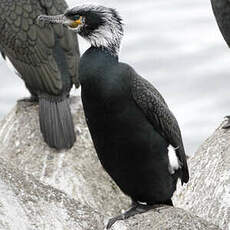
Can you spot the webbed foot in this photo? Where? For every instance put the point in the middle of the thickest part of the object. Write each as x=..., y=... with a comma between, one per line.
x=136, y=208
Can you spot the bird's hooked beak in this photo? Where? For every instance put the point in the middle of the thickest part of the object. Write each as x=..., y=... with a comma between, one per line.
x=60, y=19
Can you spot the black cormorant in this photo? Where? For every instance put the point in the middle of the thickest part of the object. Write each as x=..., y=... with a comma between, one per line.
x=46, y=58
x=137, y=138
x=221, y=10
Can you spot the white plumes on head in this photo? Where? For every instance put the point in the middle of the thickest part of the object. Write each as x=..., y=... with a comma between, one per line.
x=109, y=34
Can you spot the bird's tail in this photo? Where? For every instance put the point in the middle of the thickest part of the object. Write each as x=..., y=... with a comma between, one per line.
x=180, y=152
x=56, y=121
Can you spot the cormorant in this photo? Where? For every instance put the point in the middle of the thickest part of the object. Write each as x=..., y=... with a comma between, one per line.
x=221, y=10
x=136, y=137
x=46, y=58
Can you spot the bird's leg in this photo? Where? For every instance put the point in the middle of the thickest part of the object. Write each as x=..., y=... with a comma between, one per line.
x=136, y=208
x=31, y=99
x=227, y=125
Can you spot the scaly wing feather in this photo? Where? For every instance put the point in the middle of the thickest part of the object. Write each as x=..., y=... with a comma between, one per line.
x=31, y=48
x=157, y=112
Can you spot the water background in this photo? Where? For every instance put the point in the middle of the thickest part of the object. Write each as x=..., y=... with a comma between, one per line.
x=177, y=46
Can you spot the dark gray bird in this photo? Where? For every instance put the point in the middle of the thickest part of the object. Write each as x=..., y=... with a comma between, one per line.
x=137, y=138
x=46, y=58
x=221, y=10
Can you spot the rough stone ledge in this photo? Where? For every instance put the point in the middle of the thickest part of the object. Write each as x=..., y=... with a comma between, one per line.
x=76, y=172
x=26, y=203
x=29, y=204
x=208, y=192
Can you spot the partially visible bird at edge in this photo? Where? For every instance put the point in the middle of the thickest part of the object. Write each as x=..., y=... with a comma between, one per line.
x=137, y=138
x=221, y=10
x=46, y=59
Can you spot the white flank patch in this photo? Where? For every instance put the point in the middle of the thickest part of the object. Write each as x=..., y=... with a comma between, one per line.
x=174, y=163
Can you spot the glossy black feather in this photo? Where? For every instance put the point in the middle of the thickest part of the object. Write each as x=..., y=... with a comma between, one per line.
x=131, y=127
x=56, y=122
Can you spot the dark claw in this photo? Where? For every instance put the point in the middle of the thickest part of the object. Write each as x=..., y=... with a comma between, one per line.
x=31, y=99
x=227, y=125
x=113, y=220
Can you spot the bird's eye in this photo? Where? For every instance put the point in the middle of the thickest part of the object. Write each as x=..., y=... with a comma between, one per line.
x=76, y=17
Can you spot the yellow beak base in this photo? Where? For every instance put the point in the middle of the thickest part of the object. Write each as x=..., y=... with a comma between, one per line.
x=76, y=23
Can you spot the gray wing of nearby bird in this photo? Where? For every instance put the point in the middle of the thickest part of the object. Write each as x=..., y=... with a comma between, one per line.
x=157, y=112
x=31, y=48
x=221, y=9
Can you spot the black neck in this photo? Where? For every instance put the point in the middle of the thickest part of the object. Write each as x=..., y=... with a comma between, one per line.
x=107, y=51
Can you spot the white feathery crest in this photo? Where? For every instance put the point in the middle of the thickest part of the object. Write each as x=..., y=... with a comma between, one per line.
x=108, y=35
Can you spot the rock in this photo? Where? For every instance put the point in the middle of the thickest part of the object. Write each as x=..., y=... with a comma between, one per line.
x=27, y=204
x=208, y=191
x=77, y=172
x=167, y=218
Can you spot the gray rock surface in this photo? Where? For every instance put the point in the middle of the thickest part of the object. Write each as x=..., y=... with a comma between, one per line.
x=167, y=218
x=27, y=204
x=78, y=193
x=77, y=172
x=208, y=192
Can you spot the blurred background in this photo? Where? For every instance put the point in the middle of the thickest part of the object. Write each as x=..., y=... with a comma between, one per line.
x=177, y=46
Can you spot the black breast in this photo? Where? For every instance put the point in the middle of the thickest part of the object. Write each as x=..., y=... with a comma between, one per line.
x=129, y=148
